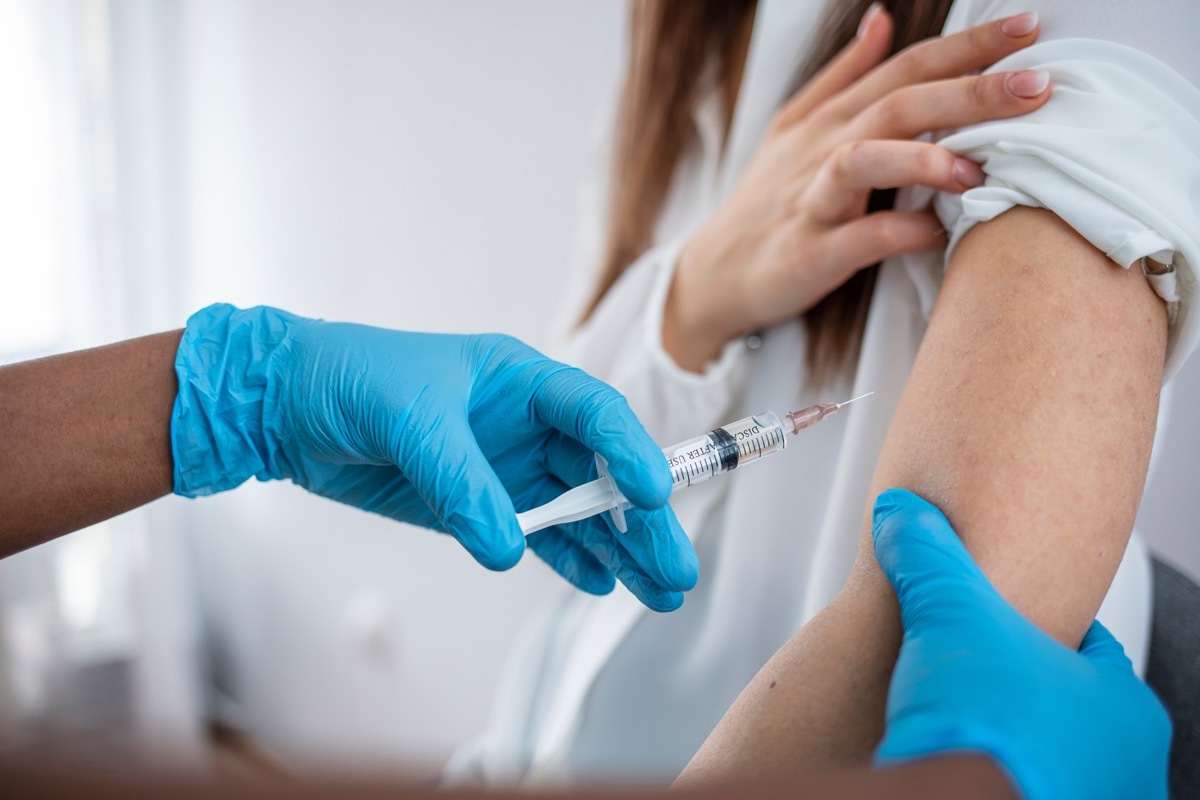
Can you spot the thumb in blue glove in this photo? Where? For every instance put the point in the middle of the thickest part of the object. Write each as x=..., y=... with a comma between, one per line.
x=973, y=674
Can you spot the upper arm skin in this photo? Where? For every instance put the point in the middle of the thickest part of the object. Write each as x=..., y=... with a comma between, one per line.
x=1029, y=414
x=1028, y=417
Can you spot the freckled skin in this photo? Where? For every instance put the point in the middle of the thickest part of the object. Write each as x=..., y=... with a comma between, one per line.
x=1028, y=418
x=1039, y=459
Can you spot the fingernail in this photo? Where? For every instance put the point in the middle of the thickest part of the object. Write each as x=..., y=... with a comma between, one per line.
x=1019, y=25
x=967, y=172
x=872, y=11
x=1027, y=82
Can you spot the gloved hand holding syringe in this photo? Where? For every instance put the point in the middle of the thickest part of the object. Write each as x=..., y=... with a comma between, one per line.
x=692, y=461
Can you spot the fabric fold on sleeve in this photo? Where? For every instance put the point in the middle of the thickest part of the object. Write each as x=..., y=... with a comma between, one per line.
x=1115, y=153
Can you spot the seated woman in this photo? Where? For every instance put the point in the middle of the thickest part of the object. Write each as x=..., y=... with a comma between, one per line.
x=1030, y=392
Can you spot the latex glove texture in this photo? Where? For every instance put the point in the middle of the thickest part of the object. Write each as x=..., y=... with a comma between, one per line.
x=973, y=674
x=450, y=432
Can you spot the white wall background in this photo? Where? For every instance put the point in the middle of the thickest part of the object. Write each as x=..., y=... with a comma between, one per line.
x=408, y=164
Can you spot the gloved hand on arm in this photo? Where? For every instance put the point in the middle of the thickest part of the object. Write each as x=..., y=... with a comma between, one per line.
x=444, y=431
x=974, y=675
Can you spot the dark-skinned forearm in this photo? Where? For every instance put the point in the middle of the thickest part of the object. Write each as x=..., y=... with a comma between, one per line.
x=86, y=437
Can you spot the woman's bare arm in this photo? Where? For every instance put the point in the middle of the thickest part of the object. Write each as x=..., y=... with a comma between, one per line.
x=86, y=437
x=1028, y=418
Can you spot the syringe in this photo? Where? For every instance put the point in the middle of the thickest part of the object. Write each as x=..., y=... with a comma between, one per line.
x=692, y=461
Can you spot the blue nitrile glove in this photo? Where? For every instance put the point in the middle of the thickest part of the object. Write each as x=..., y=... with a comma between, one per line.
x=448, y=432
x=975, y=675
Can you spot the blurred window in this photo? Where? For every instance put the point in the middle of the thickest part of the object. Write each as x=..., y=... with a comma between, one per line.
x=33, y=187
x=64, y=606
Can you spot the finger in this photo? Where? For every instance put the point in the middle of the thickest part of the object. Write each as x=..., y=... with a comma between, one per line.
x=360, y=487
x=599, y=416
x=650, y=594
x=454, y=479
x=572, y=561
x=556, y=547
x=856, y=59
x=596, y=535
x=847, y=177
x=939, y=58
x=926, y=562
x=380, y=489
x=877, y=236
x=568, y=460
x=1100, y=647
x=654, y=539
x=600, y=538
x=913, y=110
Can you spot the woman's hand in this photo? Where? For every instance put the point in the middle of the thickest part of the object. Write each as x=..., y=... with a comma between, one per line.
x=796, y=227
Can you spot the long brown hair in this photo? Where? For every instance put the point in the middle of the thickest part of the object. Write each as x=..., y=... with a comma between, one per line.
x=671, y=43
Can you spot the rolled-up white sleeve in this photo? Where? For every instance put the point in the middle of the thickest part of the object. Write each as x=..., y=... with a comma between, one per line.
x=1115, y=152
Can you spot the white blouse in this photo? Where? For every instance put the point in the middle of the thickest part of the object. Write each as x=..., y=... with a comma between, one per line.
x=601, y=688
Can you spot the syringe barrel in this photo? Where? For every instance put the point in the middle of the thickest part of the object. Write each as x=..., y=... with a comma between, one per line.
x=725, y=448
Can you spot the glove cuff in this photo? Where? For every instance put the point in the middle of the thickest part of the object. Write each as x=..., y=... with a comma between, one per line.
x=227, y=387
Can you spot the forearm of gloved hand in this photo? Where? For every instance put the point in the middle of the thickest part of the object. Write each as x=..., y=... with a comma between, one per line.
x=86, y=436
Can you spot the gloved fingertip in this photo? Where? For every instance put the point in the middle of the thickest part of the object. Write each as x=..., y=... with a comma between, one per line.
x=924, y=559
x=1098, y=636
x=674, y=603
x=1100, y=646
x=889, y=502
x=681, y=567
x=644, y=478
x=510, y=548
x=690, y=573
x=657, y=542
x=902, y=520
x=597, y=584
x=576, y=566
x=585, y=573
x=497, y=550
x=653, y=595
x=661, y=482
x=663, y=602
x=684, y=570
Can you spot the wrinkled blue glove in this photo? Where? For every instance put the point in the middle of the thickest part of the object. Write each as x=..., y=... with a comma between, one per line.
x=973, y=674
x=447, y=432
